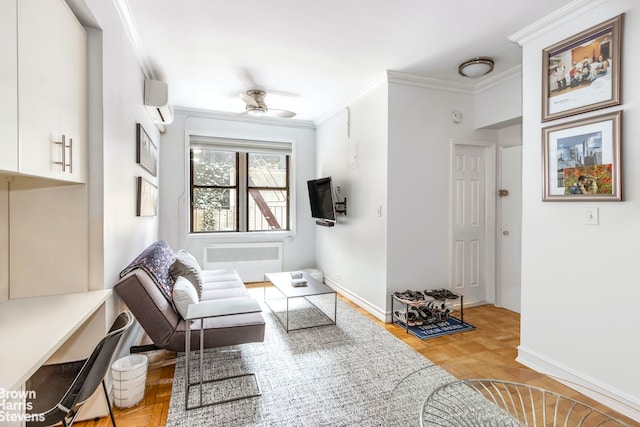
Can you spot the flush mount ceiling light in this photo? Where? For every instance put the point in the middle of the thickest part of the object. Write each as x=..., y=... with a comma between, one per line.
x=476, y=67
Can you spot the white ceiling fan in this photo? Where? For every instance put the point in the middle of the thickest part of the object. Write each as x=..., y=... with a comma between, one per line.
x=256, y=106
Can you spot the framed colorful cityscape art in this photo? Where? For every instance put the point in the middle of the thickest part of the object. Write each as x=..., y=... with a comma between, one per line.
x=582, y=160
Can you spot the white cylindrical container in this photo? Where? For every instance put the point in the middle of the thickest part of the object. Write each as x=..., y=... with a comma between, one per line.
x=129, y=378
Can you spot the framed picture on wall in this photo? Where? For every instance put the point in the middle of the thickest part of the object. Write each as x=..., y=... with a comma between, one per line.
x=582, y=160
x=147, y=200
x=582, y=73
x=146, y=151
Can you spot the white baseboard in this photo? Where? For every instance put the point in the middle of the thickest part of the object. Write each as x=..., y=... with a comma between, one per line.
x=614, y=399
x=372, y=309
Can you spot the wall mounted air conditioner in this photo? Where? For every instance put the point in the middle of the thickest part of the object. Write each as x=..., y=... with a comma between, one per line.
x=156, y=98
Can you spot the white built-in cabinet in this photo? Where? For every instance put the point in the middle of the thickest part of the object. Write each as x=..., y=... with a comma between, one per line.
x=4, y=239
x=52, y=91
x=44, y=209
x=8, y=87
x=44, y=218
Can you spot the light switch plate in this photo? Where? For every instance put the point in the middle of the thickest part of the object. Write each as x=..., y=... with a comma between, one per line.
x=591, y=216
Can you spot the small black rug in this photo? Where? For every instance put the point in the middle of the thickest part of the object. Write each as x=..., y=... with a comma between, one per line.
x=433, y=330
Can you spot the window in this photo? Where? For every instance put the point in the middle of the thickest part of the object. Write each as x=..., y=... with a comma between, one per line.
x=239, y=186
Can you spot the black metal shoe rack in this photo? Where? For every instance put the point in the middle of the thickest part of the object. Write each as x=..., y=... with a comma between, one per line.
x=424, y=303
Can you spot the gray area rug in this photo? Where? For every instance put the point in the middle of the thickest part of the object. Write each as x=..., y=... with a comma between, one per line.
x=351, y=373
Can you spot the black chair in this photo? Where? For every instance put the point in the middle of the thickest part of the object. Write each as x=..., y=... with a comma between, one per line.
x=60, y=390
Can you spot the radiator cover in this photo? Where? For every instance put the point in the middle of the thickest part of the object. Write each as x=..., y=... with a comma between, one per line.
x=250, y=260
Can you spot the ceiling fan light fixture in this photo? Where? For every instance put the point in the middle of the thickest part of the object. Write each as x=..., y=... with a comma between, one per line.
x=256, y=107
x=256, y=111
x=476, y=67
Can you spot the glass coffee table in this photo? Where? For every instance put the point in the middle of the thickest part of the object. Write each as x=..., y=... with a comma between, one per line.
x=452, y=395
x=303, y=306
x=491, y=402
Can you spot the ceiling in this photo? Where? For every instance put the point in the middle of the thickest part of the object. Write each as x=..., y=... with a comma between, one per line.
x=312, y=57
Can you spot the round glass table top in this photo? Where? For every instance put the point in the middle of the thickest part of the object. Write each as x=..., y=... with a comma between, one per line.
x=454, y=395
x=487, y=402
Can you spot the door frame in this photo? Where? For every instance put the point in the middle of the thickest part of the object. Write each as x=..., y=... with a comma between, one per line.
x=499, y=224
x=490, y=152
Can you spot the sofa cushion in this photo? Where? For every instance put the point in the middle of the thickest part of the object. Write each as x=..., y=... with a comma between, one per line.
x=184, y=294
x=185, y=265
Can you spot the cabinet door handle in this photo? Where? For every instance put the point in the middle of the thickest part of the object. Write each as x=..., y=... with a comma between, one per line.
x=63, y=145
x=70, y=155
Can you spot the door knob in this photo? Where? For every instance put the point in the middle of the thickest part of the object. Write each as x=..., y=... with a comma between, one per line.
x=505, y=233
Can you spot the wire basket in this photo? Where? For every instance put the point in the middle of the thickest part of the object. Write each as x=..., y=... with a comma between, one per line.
x=484, y=402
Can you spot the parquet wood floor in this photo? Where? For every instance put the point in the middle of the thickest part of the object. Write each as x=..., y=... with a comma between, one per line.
x=489, y=351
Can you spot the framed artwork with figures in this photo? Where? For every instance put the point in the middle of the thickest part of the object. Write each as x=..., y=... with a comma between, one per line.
x=582, y=73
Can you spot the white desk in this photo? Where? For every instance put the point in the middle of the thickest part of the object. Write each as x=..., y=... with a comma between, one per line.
x=32, y=329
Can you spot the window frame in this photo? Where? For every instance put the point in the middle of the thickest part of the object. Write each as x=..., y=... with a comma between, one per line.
x=242, y=148
x=192, y=186
x=286, y=190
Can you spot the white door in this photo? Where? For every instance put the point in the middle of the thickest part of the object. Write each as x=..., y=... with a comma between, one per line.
x=510, y=233
x=469, y=223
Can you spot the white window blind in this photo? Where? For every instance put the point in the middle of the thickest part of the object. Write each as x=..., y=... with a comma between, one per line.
x=241, y=145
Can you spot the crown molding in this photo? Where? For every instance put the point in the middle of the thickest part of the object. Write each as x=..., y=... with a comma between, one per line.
x=468, y=88
x=498, y=79
x=555, y=19
x=129, y=24
x=413, y=80
x=235, y=117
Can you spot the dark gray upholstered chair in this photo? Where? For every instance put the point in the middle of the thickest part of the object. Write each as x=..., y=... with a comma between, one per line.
x=146, y=285
x=62, y=389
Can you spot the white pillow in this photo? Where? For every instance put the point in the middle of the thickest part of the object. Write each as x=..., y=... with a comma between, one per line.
x=184, y=294
x=186, y=265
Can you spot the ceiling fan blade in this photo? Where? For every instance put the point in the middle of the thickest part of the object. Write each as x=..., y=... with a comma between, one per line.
x=245, y=76
x=280, y=113
x=248, y=100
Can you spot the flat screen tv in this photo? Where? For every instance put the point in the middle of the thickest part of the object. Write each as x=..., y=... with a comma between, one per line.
x=321, y=199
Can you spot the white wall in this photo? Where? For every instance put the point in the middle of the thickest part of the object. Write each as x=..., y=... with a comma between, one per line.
x=299, y=249
x=498, y=101
x=48, y=228
x=116, y=105
x=419, y=218
x=352, y=254
x=510, y=136
x=404, y=132
x=579, y=282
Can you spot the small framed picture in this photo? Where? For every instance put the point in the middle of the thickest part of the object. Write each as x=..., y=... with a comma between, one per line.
x=147, y=203
x=146, y=151
x=582, y=160
x=582, y=73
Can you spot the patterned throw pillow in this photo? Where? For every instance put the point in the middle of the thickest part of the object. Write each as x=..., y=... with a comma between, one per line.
x=185, y=265
x=155, y=261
